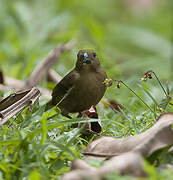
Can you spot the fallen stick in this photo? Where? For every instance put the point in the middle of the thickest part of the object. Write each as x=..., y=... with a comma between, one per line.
x=16, y=84
x=1, y=77
x=16, y=102
x=42, y=69
x=54, y=76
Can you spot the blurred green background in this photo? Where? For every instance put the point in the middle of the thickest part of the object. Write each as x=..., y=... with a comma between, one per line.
x=129, y=36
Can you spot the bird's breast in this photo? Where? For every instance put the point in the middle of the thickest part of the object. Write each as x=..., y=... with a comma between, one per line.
x=91, y=84
x=87, y=91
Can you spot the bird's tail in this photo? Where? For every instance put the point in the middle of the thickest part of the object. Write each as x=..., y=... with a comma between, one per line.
x=49, y=105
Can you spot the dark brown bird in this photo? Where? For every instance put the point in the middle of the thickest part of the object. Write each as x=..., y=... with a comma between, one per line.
x=82, y=87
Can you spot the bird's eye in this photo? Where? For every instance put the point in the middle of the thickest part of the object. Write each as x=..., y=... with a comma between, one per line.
x=81, y=56
x=94, y=55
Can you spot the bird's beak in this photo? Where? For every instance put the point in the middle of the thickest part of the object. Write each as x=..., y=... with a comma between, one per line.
x=86, y=59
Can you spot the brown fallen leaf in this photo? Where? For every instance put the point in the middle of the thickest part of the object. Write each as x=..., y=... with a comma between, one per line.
x=80, y=170
x=129, y=151
x=92, y=127
x=81, y=164
x=166, y=166
x=140, y=6
x=158, y=136
x=80, y=175
x=128, y=163
x=16, y=102
x=114, y=105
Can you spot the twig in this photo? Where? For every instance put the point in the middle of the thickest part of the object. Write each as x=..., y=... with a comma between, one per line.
x=54, y=76
x=100, y=154
x=4, y=88
x=11, y=83
x=42, y=69
x=17, y=102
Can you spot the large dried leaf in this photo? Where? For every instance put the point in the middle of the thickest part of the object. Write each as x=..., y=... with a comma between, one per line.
x=125, y=154
x=115, y=106
x=17, y=102
x=158, y=136
x=127, y=163
x=92, y=127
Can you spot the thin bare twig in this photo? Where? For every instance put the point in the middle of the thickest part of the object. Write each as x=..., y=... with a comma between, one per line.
x=42, y=69
x=16, y=103
x=11, y=83
x=54, y=76
x=4, y=88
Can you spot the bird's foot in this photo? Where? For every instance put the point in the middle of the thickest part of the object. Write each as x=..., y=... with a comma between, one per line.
x=80, y=114
x=68, y=116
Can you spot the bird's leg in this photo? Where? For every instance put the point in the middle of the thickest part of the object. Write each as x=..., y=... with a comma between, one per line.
x=65, y=113
x=80, y=115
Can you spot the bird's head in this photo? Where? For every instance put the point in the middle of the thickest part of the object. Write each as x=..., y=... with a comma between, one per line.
x=87, y=60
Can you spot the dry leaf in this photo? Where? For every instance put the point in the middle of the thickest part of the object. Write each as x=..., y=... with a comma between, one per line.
x=115, y=106
x=81, y=164
x=17, y=102
x=158, y=136
x=92, y=127
x=128, y=163
x=129, y=151
x=167, y=166
x=80, y=175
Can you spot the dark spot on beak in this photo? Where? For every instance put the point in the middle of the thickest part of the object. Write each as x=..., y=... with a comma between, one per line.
x=88, y=61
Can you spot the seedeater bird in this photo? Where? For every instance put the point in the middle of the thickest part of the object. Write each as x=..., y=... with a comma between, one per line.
x=82, y=87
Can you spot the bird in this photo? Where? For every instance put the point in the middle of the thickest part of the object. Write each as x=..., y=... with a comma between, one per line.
x=82, y=87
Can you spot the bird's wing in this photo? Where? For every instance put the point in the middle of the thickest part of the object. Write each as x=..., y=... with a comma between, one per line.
x=62, y=88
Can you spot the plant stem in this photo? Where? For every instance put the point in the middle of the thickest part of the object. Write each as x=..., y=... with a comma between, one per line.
x=160, y=84
x=136, y=95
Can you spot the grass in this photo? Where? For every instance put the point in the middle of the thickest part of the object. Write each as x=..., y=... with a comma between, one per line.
x=39, y=145
x=42, y=144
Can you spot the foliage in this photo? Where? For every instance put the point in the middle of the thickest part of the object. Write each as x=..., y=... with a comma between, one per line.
x=37, y=145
